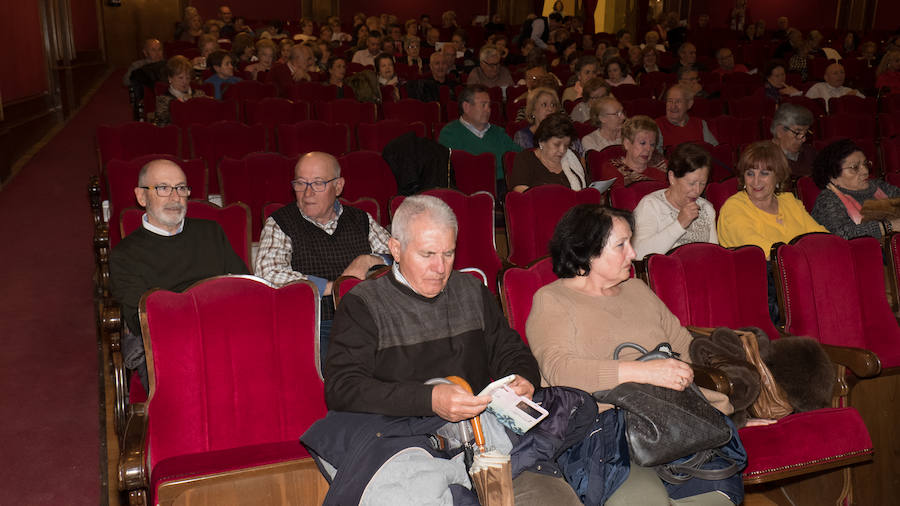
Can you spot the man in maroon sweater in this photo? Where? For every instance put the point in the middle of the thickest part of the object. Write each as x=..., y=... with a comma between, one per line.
x=677, y=126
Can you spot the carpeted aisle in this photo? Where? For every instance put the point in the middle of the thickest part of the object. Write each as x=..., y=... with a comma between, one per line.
x=49, y=406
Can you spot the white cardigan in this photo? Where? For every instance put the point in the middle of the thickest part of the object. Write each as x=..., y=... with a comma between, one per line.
x=657, y=229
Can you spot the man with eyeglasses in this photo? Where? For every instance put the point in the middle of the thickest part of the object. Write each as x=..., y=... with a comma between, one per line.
x=168, y=251
x=677, y=126
x=318, y=238
x=490, y=72
x=790, y=130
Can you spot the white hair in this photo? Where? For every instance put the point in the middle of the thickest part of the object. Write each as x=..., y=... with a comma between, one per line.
x=419, y=205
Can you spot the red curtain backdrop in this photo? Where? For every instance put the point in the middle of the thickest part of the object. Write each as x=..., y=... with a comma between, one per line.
x=250, y=9
x=803, y=14
x=84, y=24
x=25, y=72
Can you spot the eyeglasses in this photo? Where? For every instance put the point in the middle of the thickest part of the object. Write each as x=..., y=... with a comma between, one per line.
x=856, y=168
x=496, y=64
x=617, y=113
x=317, y=186
x=800, y=134
x=164, y=190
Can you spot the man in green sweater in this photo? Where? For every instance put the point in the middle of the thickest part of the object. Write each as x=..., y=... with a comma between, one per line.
x=473, y=132
x=169, y=251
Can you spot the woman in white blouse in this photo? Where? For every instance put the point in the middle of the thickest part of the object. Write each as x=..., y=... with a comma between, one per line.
x=678, y=214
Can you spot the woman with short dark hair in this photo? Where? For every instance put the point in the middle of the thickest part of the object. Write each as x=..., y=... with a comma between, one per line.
x=553, y=162
x=677, y=215
x=841, y=170
x=577, y=322
x=179, y=72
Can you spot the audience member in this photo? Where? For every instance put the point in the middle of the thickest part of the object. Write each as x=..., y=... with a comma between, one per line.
x=466, y=55
x=790, y=130
x=432, y=36
x=153, y=53
x=585, y=70
x=474, y=134
x=193, y=28
x=651, y=40
x=552, y=162
x=841, y=171
x=738, y=17
x=867, y=53
x=179, y=74
x=635, y=57
x=182, y=25
x=373, y=49
x=265, y=52
x=687, y=57
x=833, y=86
x=319, y=239
x=490, y=72
x=337, y=71
x=412, y=53
x=428, y=89
x=574, y=328
x=221, y=63
x=725, y=58
x=384, y=70
x=441, y=323
x=677, y=215
x=888, y=72
x=617, y=72
x=775, y=84
x=676, y=33
x=594, y=90
x=648, y=63
x=541, y=103
x=799, y=62
x=226, y=29
x=677, y=126
x=168, y=251
x=307, y=31
x=608, y=115
x=284, y=75
x=641, y=162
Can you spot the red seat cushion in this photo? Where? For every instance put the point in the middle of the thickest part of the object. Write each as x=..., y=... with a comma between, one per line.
x=805, y=439
x=220, y=461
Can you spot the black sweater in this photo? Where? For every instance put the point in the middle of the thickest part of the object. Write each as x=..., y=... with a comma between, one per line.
x=145, y=260
x=387, y=341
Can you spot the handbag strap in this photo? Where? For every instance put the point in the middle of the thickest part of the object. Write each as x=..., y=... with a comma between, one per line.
x=682, y=472
x=662, y=350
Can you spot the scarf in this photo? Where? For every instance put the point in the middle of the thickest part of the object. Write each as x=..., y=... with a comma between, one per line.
x=854, y=209
x=573, y=170
x=181, y=96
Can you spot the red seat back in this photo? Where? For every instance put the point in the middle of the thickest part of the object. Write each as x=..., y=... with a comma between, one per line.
x=596, y=160
x=835, y=292
x=627, y=197
x=232, y=362
x=734, y=130
x=808, y=192
x=890, y=148
x=375, y=136
x=366, y=174
x=346, y=110
x=852, y=126
x=707, y=107
x=518, y=288
x=225, y=138
x=751, y=107
x=313, y=135
x=249, y=90
x=852, y=104
x=234, y=219
x=475, y=241
x=646, y=106
x=718, y=192
x=255, y=180
x=275, y=111
x=410, y=109
x=202, y=111
x=312, y=92
x=707, y=285
x=474, y=173
x=531, y=217
x=130, y=140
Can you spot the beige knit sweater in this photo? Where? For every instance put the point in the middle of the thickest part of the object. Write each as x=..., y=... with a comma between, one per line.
x=573, y=335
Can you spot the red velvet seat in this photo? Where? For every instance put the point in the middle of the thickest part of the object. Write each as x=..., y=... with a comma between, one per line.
x=627, y=197
x=366, y=174
x=475, y=241
x=249, y=90
x=225, y=138
x=707, y=107
x=410, y=109
x=718, y=192
x=852, y=104
x=815, y=105
x=734, y=130
x=474, y=173
x=646, y=106
x=255, y=180
x=751, y=107
x=202, y=111
x=375, y=136
x=312, y=92
x=122, y=178
x=249, y=353
x=707, y=285
x=517, y=291
x=313, y=135
x=234, y=219
x=627, y=92
x=888, y=125
x=890, y=148
x=833, y=290
x=272, y=112
x=531, y=217
x=853, y=126
x=657, y=82
x=129, y=140
x=596, y=160
x=808, y=192
x=346, y=110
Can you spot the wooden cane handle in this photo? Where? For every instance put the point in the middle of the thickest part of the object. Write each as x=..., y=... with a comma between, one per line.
x=476, y=420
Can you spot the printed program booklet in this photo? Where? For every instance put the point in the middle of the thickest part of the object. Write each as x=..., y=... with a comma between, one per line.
x=514, y=411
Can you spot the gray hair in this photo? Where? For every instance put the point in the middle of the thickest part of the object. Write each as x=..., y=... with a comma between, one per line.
x=419, y=205
x=488, y=51
x=789, y=114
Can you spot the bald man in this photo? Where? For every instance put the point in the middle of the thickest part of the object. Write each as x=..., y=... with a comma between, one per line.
x=168, y=251
x=152, y=51
x=833, y=86
x=318, y=238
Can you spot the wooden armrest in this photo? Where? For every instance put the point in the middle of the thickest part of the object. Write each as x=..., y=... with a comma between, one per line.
x=711, y=378
x=94, y=198
x=132, y=462
x=111, y=319
x=861, y=362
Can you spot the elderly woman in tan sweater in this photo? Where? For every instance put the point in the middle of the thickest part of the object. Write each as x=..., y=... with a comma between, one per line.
x=577, y=321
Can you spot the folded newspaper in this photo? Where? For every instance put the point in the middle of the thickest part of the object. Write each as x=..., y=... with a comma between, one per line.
x=519, y=414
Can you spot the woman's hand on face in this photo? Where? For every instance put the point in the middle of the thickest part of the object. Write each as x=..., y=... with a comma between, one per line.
x=668, y=373
x=688, y=213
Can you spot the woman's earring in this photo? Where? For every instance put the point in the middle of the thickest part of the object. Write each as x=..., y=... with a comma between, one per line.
x=541, y=146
